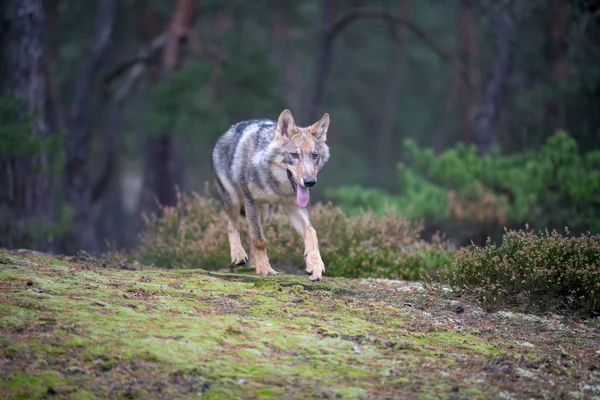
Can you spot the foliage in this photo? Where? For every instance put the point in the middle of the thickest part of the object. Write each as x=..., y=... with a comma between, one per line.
x=214, y=93
x=194, y=234
x=553, y=187
x=20, y=141
x=543, y=268
x=18, y=136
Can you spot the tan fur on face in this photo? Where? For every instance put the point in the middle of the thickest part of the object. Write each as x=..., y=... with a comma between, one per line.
x=302, y=140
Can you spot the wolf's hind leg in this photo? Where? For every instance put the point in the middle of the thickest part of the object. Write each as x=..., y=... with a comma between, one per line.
x=232, y=208
x=258, y=243
x=314, y=264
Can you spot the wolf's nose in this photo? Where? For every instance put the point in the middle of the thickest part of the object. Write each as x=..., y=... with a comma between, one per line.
x=310, y=182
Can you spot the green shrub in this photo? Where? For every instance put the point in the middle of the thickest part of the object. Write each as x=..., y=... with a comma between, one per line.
x=193, y=234
x=542, y=270
x=468, y=194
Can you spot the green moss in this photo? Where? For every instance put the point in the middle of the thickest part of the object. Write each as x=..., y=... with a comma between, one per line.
x=15, y=350
x=442, y=341
x=34, y=385
x=218, y=394
x=266, y=286
x=353, y=393
x=75, y=341
x=266, y=394
x=92, y=332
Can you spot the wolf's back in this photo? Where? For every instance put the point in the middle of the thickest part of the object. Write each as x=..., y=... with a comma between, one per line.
x=234, y=149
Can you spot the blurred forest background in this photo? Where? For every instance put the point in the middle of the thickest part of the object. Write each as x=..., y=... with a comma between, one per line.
x=469, y=115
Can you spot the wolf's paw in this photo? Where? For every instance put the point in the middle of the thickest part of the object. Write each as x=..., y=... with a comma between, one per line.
x=239, y=257
x=314, y=266
x=265, y=269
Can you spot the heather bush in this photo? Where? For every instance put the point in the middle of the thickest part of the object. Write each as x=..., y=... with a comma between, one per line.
x=532, y=269
x=193, y=234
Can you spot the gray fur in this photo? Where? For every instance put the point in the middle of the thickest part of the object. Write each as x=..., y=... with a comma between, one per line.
x=250, y=164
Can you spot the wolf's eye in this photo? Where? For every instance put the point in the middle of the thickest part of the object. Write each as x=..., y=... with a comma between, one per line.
x=315, y=156
x=294, y=155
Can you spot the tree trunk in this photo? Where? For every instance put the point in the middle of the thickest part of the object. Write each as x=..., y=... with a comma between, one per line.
x=283, y=33
x=484, y=114
x=444, y=125
x=388, y=117
x=79, y=186
x=25, y=198
x=556, y=50
x=112, y=223
x=467, y=55
x=164, y=170
x=322, y=61
x=55, y=112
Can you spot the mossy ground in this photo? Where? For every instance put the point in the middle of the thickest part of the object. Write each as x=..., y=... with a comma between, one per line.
x=76, y=330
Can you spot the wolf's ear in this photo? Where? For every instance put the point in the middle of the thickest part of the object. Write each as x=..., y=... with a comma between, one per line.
x=285, y=125
x=319, y=129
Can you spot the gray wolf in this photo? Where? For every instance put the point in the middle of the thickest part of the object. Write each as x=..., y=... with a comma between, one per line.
x=262, y=163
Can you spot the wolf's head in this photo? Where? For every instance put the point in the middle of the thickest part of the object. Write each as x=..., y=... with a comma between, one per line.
x=302, y=152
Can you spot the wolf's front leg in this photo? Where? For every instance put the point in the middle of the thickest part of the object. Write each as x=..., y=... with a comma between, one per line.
x=238, y=254
x=314, y=264
x=258, y=252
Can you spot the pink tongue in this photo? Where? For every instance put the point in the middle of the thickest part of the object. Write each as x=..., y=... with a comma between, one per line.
x=302, y=196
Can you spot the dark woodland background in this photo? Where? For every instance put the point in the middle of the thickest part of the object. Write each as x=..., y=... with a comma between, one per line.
x=469, y=115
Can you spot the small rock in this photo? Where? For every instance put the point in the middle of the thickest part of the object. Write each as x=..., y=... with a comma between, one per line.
x=241, y=381
x=206, y=387
x=356, y=349
x=526, y=344
x=525, y=373
x=37, y=290
x=75, y=370
x=29, y=283
x=131, y=267
x=82, y=255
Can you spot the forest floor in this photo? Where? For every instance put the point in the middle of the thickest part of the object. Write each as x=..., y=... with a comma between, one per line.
x=84, y=329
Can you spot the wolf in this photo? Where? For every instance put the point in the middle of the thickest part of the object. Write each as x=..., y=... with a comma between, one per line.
x=258, y=164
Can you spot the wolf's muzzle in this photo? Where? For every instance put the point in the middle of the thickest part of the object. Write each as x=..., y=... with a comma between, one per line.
x=309, y=182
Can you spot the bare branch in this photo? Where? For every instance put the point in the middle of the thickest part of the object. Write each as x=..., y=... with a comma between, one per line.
x=370, y=12
x=144, y=55
x=112, y=106
x=331, y=30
